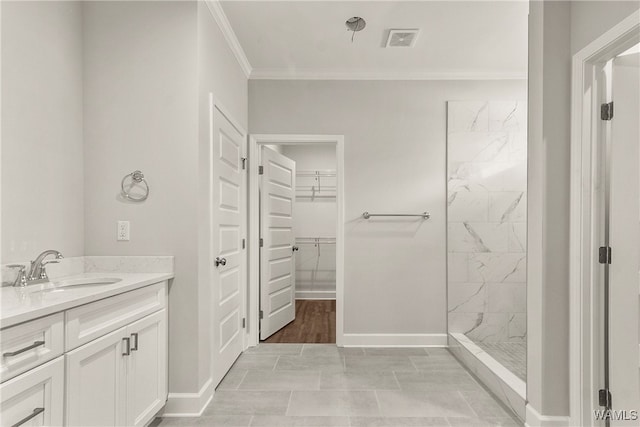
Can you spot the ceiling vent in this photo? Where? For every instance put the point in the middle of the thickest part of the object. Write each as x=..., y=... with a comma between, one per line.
x=402, y=38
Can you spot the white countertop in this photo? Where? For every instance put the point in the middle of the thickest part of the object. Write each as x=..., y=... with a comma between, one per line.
x=20, y=304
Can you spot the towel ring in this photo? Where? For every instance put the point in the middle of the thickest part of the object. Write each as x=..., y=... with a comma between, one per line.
x=137, y=177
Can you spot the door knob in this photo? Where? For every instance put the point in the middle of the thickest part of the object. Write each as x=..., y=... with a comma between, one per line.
x=295, y=249
x=220, y=261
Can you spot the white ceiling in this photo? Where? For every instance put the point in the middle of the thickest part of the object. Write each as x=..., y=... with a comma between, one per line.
x=308, y=39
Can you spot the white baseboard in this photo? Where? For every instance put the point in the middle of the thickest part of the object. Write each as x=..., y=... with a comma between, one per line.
x=394, y=340
x=189, y=404
x=534, y=419
x=316, y=295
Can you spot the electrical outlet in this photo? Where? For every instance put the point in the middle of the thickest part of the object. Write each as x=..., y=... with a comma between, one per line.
x=123, y=230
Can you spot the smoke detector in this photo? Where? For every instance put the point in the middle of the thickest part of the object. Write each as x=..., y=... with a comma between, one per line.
x=355, y=23
x=402, y=38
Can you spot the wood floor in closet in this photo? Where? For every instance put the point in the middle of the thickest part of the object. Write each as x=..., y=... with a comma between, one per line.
x=315, y=323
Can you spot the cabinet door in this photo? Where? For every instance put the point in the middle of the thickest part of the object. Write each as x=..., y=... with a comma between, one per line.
x=147, y=368
x=34, y=398
x=96, y=382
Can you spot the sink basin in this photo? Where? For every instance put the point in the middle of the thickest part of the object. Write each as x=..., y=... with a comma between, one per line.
x=83, y=282
x=87, y=281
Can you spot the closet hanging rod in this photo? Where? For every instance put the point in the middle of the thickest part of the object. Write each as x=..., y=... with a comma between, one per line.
x=423, y=215
x=315, y=243
x=315, y=173
x=315, y=239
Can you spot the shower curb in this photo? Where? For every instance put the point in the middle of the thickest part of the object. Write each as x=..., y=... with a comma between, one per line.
x=505, y=385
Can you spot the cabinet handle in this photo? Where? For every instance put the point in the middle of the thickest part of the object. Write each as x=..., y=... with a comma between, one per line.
x=22, y=350
x=134, y=336
x=127, y=352
x=34, y=414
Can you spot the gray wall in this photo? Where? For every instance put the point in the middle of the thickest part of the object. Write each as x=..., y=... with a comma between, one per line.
x=141, y=113
x=92, y=91
x=42, y=170
x=590, y=19
x=395, y=161
x=558, y=29
x=149, y=67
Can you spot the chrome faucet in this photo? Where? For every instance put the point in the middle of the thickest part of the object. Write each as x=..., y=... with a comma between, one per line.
x=38, y=273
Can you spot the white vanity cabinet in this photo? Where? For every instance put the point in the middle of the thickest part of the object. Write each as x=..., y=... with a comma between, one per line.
x=31, y=344
x=96, y=382
x=35, y=397
x=119, y=379
x=147, y=368
x=32, y=373
x=110, y=365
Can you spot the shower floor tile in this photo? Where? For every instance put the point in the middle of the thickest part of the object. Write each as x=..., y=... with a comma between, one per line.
x=511, y=355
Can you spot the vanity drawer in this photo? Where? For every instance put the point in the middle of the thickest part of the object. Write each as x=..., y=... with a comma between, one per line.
x=30, y=344
x=34, y=398
x=93, y=320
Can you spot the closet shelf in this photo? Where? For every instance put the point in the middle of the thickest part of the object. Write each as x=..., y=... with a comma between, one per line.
x=316, y=184
x=327, y=173
x=316, y=240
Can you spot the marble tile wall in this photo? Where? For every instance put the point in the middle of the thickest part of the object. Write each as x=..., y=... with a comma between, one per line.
x=487, y=196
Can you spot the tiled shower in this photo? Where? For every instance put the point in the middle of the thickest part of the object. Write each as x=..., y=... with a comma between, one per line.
x=487, y=196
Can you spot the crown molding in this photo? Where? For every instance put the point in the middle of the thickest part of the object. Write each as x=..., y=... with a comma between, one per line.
x=225, y=26
x=334, y=74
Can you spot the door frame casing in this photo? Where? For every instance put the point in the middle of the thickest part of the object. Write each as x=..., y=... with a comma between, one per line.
x=255, y=141
x=585, y=193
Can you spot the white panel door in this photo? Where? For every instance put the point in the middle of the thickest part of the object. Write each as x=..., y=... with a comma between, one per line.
x=625, y=245
x=96, y=382
x=228, y=229
x=147, y=368
x=277, y=264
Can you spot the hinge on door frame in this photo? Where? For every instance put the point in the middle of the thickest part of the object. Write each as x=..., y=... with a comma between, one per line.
x=261, y=314
x=260, y=170
x=244, y=322
x=606, y=111
x=244, y=162
x=604, y=255
x=604, y=398
x=243, y=243
x=261, y=242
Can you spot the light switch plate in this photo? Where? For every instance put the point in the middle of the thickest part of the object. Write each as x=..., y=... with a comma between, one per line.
x=123, y=231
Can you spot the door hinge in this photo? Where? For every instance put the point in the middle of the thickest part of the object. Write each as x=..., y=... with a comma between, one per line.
x=261, y=242
x=244, y=323
x=261, y=314
x=606, y=111
x=604, y=398
x=604, y=255
x=260, y=170
x=244, y=162
x=243, y=243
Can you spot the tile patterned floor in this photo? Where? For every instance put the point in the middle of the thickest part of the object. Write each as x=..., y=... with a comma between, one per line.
x=282, y=385
x=511, y=355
